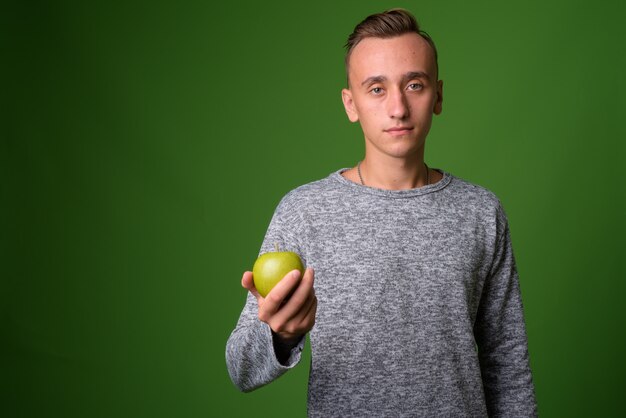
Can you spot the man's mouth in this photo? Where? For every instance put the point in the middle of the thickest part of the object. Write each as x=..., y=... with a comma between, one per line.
x=399, y=130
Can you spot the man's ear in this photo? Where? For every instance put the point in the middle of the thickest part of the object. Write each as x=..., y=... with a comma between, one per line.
x=348, y=104
x=439, y=102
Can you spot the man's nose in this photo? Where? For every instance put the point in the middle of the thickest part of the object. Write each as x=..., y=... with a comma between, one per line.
x=398, y=106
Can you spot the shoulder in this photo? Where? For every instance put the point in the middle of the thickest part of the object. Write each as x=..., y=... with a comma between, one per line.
x=474, y=202
x=311, y=194
x=473, y=195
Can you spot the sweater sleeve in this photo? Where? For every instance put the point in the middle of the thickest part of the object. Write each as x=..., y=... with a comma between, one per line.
x=251, y=355
x=501, y=335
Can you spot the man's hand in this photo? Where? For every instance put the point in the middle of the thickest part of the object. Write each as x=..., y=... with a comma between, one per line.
x=289, y=308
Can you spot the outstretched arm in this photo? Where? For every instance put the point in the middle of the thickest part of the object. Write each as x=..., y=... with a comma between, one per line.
x=270, y=333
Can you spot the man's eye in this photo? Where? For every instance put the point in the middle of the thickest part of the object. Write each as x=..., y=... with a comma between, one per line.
x=377, y=90
x=415, y=86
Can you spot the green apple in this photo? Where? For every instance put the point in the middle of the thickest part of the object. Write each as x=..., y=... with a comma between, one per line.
x=271, y=267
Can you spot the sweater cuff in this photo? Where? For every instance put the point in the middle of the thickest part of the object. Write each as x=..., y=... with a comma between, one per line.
x=286, y=355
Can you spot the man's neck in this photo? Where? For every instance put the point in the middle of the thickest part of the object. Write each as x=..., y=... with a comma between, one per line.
x=392, y=173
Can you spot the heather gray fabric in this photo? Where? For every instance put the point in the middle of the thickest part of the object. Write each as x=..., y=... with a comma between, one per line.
x=419, y=307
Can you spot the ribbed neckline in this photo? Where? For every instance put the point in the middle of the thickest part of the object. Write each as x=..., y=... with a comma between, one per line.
x=394, y=194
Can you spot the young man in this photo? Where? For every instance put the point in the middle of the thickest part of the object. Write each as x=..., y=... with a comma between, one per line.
x=416, y=308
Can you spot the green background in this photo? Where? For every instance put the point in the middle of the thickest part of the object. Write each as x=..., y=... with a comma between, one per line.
x=144, y=147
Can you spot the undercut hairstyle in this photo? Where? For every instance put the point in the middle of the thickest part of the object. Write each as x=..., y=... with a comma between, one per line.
x=388, y=24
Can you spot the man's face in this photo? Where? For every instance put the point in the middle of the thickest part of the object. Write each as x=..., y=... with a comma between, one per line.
x=393, y=93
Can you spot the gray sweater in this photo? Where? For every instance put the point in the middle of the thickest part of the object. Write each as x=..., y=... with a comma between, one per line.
x=419, y=306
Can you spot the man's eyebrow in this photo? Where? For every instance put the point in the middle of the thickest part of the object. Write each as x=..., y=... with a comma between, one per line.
x=408, y=76
x=415, y=74
x=374, y=79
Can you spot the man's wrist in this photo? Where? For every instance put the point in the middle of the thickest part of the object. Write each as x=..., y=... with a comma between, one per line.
x=287, y=339
x=283, y=345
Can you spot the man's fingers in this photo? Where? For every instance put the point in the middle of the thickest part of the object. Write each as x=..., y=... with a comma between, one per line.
x=301, y=298
x=298, y=304
x=302, y=310
x=309, y=275
x=309, y=317
x=276, y=296
x=247, y=282
x=296, y=317
x=289, y=302
x=303, y=288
